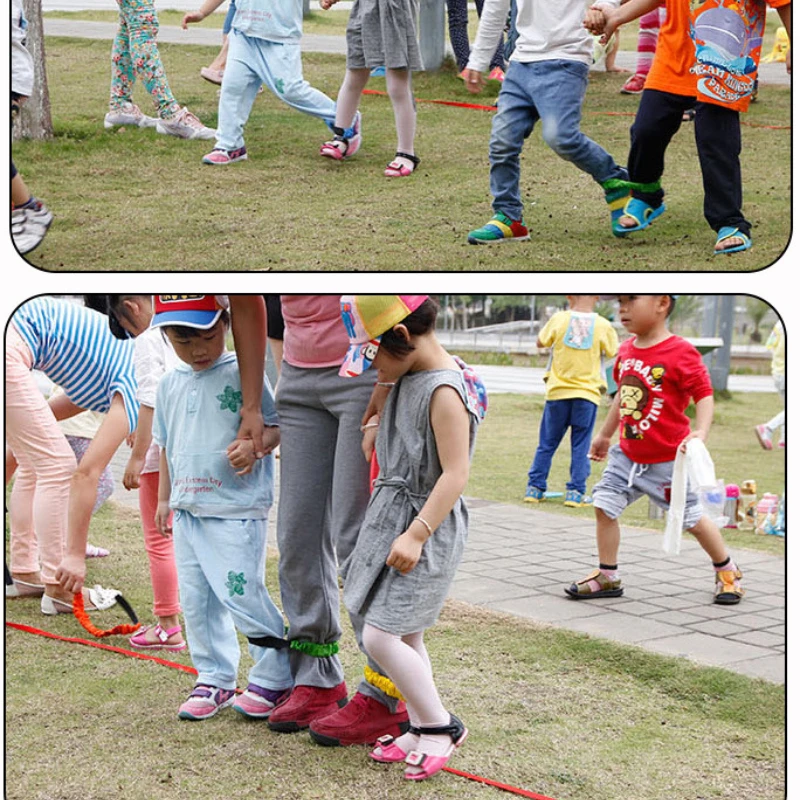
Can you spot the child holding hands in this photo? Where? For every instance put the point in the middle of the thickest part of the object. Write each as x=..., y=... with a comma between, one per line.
x=657, y=373
x=220, y=495
x=415, y=528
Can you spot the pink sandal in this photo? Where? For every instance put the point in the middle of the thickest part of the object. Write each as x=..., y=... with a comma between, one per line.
x=390, y=753
x=140, y=641
x=341, y=147
x=396, y=169
x=428, y=764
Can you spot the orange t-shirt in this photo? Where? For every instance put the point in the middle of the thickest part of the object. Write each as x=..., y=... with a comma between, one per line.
x=709, y=49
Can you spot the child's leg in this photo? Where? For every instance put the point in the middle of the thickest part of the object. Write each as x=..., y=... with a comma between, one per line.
x=405, y=660
x=398, y=86
x=457, y=20
x=281, y=68
x=512, y=124
x=160, y=555
x=210, y=631
x=657, y=120
x=142, y=25
x=559, y=89
x=582, y=416
x=23, y=545
x=239, y=586
x=719, y=142
x=349, y=96
x=122, y=75
x=240, y=85
x=649, y=26
x=555, y=420
x=710, y=539
x=728, y=584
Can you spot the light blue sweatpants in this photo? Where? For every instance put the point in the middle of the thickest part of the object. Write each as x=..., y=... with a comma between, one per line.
x=253, y=61
x=221, y=580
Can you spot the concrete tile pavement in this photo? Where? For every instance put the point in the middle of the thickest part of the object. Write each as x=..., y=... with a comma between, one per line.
x=519, y=559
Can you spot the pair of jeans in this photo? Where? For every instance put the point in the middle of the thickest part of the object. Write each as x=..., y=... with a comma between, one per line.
x=578, y=416
x=551, y=91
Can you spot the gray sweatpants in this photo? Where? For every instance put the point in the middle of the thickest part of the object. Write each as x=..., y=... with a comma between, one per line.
x=324, y=490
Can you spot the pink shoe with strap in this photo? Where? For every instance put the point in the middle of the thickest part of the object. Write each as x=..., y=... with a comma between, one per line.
x=154, y=637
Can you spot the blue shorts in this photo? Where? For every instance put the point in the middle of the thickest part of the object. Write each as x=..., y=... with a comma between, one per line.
x=623, y=481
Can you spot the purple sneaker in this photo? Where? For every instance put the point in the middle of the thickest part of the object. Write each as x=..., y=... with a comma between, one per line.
x=256, y=702
x=205, y=701
x=220, y=157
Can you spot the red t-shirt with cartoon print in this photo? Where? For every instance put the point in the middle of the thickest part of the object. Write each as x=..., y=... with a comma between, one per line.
x=656, y=385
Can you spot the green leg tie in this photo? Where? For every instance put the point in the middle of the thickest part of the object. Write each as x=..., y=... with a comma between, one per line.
x=314, y=649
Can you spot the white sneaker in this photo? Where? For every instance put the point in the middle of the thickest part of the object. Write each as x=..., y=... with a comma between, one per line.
x=29, y=226
x=129, y=114
x=185, y=125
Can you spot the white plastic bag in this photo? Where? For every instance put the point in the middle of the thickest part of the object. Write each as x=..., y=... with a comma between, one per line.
x=695, y=467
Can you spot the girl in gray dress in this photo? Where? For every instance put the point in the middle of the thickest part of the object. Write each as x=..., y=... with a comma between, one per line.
x=379, y=33
x=415, y=528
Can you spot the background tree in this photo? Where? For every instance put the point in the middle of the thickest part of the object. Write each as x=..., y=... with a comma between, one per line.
x=34, y=120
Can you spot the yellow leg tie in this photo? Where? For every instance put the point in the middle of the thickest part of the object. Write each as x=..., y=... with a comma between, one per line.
x=382, y=682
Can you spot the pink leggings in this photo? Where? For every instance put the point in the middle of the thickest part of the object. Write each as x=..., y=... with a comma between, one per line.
x=160, y=551
x=40, y=497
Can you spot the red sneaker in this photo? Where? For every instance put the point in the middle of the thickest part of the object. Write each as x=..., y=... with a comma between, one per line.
x=362, y=721
x=306, y=703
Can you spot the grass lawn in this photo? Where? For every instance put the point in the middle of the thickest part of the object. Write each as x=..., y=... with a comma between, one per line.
x=558, y=713
x=129, y=199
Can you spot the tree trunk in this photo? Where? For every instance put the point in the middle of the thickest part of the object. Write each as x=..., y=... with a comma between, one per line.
x=34, y=121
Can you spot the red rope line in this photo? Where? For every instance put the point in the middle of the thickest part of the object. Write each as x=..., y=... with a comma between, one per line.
x=191, y=670
x=478, y=107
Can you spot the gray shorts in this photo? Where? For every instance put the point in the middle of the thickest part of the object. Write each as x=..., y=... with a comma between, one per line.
x=623, y=481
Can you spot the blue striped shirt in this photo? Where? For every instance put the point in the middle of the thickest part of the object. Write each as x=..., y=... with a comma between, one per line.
x=74, y=347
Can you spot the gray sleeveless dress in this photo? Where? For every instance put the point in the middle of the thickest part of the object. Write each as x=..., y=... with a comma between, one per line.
x=383, y=33
x=407, y=454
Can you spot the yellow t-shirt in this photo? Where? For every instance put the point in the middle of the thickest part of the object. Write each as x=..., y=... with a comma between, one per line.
x=777, y=343
x=579, y=343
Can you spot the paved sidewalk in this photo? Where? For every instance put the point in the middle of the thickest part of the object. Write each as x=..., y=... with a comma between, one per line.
x=774, y=73
x=519, y=559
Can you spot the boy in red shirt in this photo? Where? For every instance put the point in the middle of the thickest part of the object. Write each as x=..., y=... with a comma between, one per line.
x=658, y=374
x=706, y=58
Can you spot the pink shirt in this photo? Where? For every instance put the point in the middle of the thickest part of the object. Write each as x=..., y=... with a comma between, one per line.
x=314, y=335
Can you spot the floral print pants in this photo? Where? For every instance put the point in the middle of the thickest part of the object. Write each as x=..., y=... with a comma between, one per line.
x=135, y=54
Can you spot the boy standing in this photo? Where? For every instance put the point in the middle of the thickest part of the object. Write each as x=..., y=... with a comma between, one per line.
x=546, y=80
x=658, y=373
x=580, y=340
x=221, y=496
x=707, y=53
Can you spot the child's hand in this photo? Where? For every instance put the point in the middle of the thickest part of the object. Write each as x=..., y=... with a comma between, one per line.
x=594, y=21
x=599, y=447
x=133, y=469
x=241, y=455
x=406, y=550
x=326, y=4
x=693, y=435
x=473, y=81
x=195, y=16
x=164, y=518
x=370, y=431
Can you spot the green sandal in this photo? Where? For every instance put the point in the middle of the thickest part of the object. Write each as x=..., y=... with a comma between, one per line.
x=580, y=590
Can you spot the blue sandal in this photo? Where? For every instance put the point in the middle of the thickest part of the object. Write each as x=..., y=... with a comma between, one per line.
x=728, y=233
x=642, y=213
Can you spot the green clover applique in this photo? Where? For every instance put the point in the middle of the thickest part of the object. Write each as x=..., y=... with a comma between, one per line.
x=230, y=399
x=279, y=85
x=235, y=583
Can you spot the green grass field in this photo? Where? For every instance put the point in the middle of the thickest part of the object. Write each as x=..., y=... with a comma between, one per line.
x=129, y=199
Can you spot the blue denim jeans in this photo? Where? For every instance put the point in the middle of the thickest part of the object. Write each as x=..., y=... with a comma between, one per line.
x=578, y=416
x=550, y=91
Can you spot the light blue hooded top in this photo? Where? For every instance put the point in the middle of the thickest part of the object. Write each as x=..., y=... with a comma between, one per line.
x=274, y=20
x=196, y=418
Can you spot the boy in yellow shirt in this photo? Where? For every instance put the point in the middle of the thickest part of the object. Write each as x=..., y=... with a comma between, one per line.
x=579, y=340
